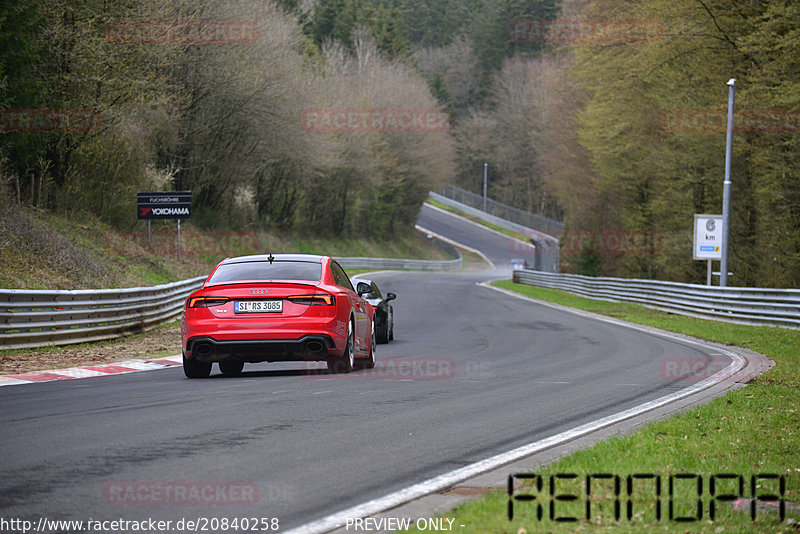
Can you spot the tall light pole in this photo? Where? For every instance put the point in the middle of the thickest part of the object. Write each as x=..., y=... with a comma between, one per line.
x=726, y=189
x=485, y=171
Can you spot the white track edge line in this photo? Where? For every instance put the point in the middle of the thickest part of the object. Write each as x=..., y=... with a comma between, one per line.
x=446, y=480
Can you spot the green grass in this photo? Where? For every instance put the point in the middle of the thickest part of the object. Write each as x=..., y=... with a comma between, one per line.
x=487, y=224
x=749, y=431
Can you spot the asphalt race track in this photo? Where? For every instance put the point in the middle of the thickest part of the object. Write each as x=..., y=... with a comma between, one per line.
x=471, y=373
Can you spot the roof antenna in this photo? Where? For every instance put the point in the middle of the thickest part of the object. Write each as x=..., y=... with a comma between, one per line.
x=270, y=258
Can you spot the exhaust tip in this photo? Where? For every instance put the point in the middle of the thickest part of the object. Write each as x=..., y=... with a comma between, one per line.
x=314, y=346
x=202, y=349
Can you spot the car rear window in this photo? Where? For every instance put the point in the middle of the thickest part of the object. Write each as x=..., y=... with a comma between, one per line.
x=262, y=270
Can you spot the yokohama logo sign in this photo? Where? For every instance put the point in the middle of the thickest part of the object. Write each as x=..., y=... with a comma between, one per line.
x=172, y=205
x=183, y=212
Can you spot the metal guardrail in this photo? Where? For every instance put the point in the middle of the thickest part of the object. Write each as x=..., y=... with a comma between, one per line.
x=35, y=318
x=744, y=305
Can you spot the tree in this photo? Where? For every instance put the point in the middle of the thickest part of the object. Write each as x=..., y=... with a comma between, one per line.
x=656, y=174
x=490, y=31
x=339, y=19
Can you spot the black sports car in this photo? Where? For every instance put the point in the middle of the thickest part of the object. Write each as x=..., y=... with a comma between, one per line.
x=384, y=313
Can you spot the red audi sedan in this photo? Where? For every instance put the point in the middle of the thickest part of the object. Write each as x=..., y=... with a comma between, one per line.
x=286, y=307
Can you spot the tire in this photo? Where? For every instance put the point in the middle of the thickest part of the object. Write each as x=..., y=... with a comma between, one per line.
x=194, y=369
x=390, y=326
x=231, y=367
x=345, y=363
x=369, y=363
x=383, y=332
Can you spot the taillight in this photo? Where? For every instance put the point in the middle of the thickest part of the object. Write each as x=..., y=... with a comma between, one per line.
x=313, y=300
x=205, y=302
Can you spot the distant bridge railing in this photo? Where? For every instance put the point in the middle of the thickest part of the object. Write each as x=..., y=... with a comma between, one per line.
x=744, y=305
x=503, y=211
x=36, y=318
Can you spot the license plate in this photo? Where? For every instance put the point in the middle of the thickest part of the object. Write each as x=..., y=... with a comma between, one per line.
x=258, y=306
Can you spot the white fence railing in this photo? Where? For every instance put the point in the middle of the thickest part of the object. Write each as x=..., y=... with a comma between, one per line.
x=755, y=306
x=35, y=318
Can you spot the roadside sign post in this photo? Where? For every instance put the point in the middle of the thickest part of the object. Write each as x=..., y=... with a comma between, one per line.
x=726, y=188
x=164, y=205
x=485, y=176
x=707, y=240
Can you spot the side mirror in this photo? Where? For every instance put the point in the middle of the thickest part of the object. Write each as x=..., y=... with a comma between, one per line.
x=362, y=289
x=390, y=296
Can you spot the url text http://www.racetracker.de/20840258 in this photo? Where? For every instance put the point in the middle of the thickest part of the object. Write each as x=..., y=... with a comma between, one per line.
x=149, y=525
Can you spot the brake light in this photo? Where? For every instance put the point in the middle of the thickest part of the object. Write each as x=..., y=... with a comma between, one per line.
x=313, y=300
x=205, y=302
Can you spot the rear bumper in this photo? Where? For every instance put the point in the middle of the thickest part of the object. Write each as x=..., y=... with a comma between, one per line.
x=311, y=347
